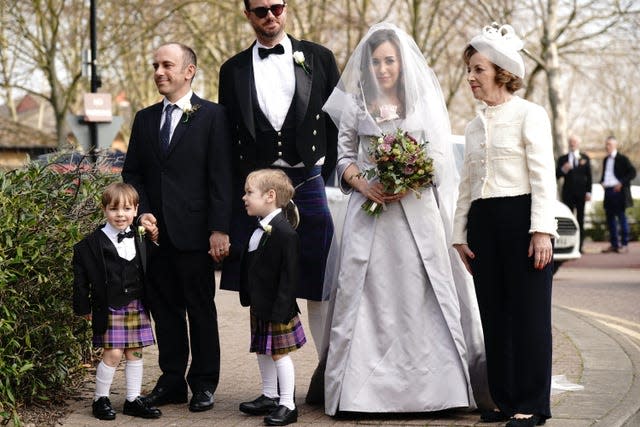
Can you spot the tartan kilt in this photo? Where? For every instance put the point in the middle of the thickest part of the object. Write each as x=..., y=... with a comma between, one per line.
x=276, y=338
x=127, y=327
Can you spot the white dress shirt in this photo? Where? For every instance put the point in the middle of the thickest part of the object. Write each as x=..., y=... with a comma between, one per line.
x=176, y=114
x=257, y=234
x=126, y=248
x=610, y=179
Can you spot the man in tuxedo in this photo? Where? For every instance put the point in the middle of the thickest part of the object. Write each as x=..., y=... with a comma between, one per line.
x=575, y=168
x=274, y=92
x=617, y=173
x=179, y=161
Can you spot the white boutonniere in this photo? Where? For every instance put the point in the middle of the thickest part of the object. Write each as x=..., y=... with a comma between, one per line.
x=267, y=229
x=141, y=231
x=188, y=111
x=298, y=58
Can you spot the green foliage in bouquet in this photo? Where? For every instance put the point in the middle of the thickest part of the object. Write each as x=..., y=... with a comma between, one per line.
x=44, y=210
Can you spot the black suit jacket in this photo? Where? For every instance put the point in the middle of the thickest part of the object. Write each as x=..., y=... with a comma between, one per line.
x=270, y=278
x=624, y=172
x=316, y=135
x=90, y=278
x=578, y=181
x=189, y=189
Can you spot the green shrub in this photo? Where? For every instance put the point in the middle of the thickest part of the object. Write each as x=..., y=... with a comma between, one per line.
x=44, y=210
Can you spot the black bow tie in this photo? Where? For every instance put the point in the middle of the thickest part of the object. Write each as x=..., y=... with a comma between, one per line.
x=263, y=52
x=122, y=235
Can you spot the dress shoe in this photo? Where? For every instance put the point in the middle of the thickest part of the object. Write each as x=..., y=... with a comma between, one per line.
x=263, y=405
x=532, y=421
x=610, y=249
x=201, y=401
x=493, y=416
x=163, y=396
x=623, y=249
x=102, y=409
x=138, y=408
x=281, y=416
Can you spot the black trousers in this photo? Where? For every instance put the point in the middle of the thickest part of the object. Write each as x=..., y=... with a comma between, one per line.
x=576, y=203
x=182, y=290
x=515, y=305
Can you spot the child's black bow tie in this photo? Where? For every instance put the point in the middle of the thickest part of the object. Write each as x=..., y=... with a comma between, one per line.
x=122, y=235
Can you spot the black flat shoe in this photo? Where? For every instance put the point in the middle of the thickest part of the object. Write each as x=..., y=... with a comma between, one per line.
x=532, y=421
x=102, y=409
x=138, y=408
x=263, y=405
x=281, y=416
x=201, y=401
x=493, y=416
x=164, y=396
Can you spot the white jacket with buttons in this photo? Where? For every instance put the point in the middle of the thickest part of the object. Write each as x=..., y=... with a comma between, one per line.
x=508, y=152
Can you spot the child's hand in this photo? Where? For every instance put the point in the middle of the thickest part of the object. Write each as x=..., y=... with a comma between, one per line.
x=87, y=317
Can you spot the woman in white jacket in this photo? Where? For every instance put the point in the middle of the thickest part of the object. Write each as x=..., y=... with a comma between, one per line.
x=504, y=226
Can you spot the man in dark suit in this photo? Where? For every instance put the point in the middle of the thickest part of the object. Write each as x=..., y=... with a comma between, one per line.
x=575, y=168
x=274, y=92
x=179, y=161
x=617, y=173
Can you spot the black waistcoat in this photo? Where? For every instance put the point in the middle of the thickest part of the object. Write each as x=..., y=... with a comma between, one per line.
x=124, y=278
x=271, y=144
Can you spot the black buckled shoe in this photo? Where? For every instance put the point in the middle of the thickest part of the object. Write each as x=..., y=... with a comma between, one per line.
x=164, y=395
x=139, y=408
x=263, y=405
x=201, y=401
x=281, y=416
x=102, y=409
x=493, y=416
x=532, y=421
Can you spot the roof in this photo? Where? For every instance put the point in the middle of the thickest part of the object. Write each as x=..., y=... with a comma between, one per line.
x=17, y=135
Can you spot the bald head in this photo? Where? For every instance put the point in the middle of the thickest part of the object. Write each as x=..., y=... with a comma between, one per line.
x=574, y=142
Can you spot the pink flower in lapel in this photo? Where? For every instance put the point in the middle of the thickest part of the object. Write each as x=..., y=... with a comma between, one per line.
x=189, y=110
x=298, y=58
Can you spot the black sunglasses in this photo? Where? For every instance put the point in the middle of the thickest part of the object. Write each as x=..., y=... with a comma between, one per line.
x=262, y=12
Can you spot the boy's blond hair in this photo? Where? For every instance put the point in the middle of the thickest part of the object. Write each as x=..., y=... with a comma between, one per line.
x=119, y=192
x=273, y=179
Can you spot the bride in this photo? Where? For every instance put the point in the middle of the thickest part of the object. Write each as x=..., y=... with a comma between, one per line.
x=404, y=333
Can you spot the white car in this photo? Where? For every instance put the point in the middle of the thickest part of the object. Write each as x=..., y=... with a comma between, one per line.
x=566, y=247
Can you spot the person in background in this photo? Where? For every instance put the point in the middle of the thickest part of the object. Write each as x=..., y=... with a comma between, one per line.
x=575, y=169
x=270, y=268
x=617, y=173
x=179, y=161
x=109, y=267
x=504, y=227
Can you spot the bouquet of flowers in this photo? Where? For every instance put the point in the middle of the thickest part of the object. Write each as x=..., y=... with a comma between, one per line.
x=401, y=165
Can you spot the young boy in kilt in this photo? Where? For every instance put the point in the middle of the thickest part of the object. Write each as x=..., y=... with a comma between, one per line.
x=268, y=286
x=108, y=287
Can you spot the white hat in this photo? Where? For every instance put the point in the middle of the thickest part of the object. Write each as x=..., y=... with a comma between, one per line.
x=501, y=45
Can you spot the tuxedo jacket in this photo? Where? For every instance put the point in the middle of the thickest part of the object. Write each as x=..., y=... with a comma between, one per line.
x=270, y=274
x=578, y=181
x=624, y=172
x=90, y=278
x=316, y=135
x=188, y=189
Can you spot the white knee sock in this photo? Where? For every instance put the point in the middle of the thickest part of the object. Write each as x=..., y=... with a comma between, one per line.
x=269, y=375
x=133, y=378
x=287, y=381
x=104, y=378
x=317, y=311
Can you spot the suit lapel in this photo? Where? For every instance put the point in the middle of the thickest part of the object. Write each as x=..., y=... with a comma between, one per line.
x=154, y=129
x=303, y=82
x=182, y=126
x=141, y=247
x=244, y=81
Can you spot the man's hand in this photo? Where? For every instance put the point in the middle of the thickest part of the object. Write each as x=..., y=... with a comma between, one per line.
x=219, y=246
x=150, y=224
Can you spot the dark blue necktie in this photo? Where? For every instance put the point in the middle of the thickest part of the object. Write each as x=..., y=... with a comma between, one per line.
x=165, y=130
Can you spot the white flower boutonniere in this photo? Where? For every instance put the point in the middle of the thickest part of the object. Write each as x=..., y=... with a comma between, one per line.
x=298, y=58
x=188, y=111
x=267, y=229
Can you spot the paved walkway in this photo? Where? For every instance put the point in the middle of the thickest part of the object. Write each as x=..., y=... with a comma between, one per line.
x=585, y=351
